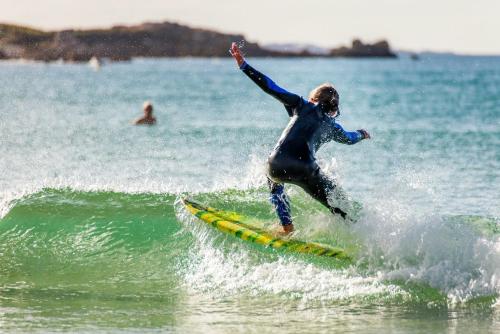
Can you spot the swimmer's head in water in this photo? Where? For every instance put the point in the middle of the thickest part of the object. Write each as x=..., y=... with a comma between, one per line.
x=326, y=95
x=147, y=107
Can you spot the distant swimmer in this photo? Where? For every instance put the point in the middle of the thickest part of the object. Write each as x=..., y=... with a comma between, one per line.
x=293, y=159
x=148, y=117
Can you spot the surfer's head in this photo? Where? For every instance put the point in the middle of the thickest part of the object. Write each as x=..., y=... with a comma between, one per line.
x=327, y=96
x=148, y=108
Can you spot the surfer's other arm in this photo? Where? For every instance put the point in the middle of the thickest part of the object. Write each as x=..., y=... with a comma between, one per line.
x=265, y=83
x=340, y=135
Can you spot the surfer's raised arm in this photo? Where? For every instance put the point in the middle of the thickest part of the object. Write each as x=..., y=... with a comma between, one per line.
x=265, y=83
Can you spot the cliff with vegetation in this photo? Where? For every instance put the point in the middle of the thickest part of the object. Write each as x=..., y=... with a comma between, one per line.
x=146, y=40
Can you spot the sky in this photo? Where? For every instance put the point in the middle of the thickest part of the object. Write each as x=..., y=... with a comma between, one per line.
x=460, y=26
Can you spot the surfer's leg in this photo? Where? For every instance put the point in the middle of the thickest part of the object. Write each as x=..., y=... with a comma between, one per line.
x=280, y=202
x=322, y=188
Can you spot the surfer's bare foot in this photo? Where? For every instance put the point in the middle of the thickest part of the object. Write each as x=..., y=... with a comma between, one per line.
x=287, y=229
x=280, y=231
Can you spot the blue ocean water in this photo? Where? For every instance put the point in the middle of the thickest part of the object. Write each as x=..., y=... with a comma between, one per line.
x=93, y=237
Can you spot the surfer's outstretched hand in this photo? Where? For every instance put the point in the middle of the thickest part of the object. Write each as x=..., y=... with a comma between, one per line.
x=365, y=133
x=236, y=53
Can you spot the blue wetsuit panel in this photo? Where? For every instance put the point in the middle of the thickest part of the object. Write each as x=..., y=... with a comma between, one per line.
x=340, y=135
x=290, y=100
x=280, y=202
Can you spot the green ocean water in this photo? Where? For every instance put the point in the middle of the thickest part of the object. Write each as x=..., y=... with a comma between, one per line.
x=93, y=237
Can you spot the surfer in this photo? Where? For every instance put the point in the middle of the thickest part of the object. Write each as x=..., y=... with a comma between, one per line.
x=148, y=117
x=293, y=159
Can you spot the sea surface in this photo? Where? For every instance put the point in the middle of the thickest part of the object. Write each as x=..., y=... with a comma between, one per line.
x=93, y=237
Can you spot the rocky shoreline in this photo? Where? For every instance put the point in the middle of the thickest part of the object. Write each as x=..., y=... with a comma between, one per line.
x=148, y=40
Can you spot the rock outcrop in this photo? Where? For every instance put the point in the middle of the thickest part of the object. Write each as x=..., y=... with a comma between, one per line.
x=358, y=49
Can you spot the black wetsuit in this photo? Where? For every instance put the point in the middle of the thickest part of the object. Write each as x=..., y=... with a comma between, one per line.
x=293, y=158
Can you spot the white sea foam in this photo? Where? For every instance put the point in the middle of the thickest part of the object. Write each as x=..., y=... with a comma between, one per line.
x=223, y=273
x=422, y=246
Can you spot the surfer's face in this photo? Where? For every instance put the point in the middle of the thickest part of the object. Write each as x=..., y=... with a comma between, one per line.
x=333, y=113
x=334, y=108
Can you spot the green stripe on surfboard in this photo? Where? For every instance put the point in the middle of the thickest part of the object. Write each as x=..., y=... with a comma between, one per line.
x=233, y=224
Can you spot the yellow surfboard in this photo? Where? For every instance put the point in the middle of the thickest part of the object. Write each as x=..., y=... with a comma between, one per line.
x=232, y=223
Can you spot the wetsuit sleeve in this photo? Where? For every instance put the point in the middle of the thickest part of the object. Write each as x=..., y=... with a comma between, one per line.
x=290, y=100
x=345, y=137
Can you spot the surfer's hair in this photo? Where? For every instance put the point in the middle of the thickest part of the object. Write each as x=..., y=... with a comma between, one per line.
x=148, y=106
x=325, y=94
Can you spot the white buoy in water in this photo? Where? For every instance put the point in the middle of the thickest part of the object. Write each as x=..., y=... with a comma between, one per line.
x=95, y=63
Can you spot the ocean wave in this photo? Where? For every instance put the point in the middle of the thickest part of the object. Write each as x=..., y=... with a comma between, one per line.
x=70, y=237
